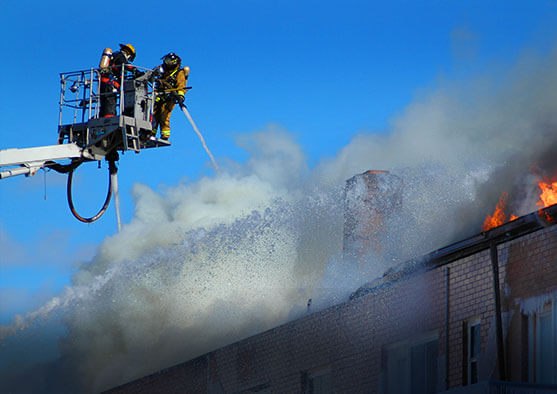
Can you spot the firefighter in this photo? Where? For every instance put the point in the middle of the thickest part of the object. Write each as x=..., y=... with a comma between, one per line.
x=111, y=72
x=170, y=89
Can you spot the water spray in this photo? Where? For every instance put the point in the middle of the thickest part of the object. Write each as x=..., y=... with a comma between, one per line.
x=115, y=193
x=186, y=112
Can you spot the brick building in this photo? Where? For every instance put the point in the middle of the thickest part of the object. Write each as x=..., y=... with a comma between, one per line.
x=477, y=316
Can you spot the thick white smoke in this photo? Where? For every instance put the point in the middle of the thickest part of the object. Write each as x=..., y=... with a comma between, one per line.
x=207, y=263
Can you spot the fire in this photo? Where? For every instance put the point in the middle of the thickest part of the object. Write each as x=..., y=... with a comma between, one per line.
x=548, y=195
x=498, y=217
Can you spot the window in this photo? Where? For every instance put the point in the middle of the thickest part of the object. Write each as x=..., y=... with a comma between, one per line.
x=412, y=366
x=542, y=334
x=260, y=388
x=473, y=347
x=318, y=381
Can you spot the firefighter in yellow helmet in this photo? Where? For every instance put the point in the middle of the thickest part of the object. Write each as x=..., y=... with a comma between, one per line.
x=170, y=89
x=111, y=70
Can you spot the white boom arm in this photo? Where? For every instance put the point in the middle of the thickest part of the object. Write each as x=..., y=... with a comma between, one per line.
x=28, y=161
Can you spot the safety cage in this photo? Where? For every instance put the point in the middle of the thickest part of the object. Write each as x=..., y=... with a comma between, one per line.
x=80, y=103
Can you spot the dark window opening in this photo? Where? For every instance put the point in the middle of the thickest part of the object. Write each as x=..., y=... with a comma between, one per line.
x=412, y=367
x=474, y=349
x=317, y=381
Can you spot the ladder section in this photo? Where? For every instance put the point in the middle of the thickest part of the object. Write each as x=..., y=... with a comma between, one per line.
x=131, y=139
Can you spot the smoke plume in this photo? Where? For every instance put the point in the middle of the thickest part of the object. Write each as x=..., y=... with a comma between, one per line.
x=207, y=263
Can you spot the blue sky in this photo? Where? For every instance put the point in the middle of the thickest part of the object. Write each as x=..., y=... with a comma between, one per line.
x=322, y=70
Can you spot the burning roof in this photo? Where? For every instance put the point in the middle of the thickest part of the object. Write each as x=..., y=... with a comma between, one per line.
x=547, y=197
x=506, y=232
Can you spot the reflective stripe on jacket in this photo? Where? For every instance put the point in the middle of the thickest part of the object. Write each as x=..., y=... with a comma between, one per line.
x=175, y=81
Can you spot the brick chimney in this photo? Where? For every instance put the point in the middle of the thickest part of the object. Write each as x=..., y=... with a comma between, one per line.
x=369, y=199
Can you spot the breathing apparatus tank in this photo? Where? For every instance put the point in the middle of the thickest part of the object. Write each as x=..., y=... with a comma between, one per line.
x=105, y=58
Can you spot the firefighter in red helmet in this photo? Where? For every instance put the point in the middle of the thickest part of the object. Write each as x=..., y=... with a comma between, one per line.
x=170, y=89
x=111, y=71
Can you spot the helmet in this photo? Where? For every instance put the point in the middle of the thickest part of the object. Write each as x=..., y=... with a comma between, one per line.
x=129, y=49
x=171, y=60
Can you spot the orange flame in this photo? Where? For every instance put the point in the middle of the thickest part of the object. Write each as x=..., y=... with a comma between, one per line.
x=548, y=195
x=498, y=217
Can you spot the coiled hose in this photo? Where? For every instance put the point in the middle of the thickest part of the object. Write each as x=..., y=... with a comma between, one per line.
x=112, y=169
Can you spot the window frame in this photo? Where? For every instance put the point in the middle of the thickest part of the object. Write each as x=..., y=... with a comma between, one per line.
x=471, y=358
x=318, y=372
x=549, y=309
x=398, y=356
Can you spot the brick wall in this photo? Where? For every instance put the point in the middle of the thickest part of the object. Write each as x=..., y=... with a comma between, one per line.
x=352, y=338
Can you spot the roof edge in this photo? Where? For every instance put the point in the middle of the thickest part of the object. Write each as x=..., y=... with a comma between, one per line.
x=520, y=227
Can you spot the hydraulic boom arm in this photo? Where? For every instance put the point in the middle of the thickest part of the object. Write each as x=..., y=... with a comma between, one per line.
x=29, y=160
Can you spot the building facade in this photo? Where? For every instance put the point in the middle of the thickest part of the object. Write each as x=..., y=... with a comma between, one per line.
x=479, y=315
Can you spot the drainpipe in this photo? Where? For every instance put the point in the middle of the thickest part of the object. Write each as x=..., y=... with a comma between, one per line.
x=208, y=382
x=447, y=311
x=498, y=321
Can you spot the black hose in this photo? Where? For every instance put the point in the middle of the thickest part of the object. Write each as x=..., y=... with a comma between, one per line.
x=112, y=169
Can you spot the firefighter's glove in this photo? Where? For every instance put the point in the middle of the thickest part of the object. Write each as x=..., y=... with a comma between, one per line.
x=173, y=96
x=180, y=100
x=157, y=71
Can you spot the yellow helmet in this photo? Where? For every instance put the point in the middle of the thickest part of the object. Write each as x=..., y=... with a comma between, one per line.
x=130, y=49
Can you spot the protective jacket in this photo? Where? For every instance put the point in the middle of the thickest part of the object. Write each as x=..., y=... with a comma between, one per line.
x=170, y=88
x=110, y=84
x=172, y=84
